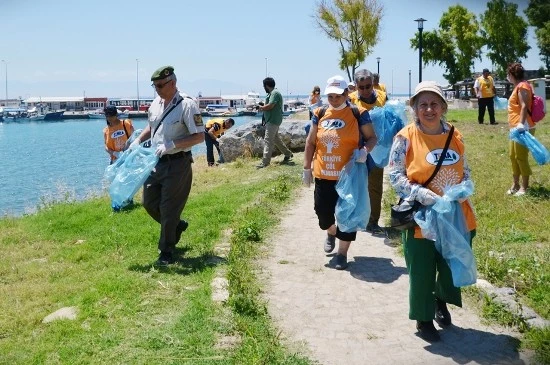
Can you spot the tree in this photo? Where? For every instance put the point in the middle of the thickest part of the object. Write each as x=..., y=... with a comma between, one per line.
x=454, y=46
x=505, y=34
x=538, y=13
x=354, y=24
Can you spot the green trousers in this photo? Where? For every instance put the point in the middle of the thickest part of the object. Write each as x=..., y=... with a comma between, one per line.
x=429, y=277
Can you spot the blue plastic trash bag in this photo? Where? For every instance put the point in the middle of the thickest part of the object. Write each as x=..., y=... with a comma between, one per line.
x=132, y=171
x=537, y=149
x=445, y=224
x=353, y=205
x=111, y=170
x=501, y=103
x=387, y=121
x=307, y=127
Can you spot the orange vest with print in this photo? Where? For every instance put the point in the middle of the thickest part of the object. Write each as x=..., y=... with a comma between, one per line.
x=421, y=159
x=486, y=86
x=380, y=100
x=337, y=137
x=115, y=137
x=514, y=107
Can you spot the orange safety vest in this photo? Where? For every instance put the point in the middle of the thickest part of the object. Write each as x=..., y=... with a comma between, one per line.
x=337, y=137
x=421, y=159
x=116, y=137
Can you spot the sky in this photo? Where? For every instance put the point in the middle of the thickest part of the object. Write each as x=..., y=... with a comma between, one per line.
x=110, y=48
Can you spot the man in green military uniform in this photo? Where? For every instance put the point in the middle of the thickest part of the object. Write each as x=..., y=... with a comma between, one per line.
x=174, y=126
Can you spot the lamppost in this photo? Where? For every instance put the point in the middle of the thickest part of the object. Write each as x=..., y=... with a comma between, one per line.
x=266, y=67
x=137, y=82
x=378, y=65
x=420, y=22
x=409, y=84
x=6, y=68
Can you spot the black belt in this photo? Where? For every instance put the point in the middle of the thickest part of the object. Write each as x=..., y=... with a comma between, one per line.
x=174, y=156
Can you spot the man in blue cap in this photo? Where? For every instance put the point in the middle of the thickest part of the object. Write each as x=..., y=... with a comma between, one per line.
x=174, y=126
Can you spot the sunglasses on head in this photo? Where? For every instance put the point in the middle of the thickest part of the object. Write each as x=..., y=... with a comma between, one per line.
x=365, y=87
x=161, y=85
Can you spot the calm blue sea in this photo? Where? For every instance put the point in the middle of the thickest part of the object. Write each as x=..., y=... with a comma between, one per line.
x=46, y=161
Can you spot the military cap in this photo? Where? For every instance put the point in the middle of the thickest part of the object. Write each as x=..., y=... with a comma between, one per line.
x=162, y=73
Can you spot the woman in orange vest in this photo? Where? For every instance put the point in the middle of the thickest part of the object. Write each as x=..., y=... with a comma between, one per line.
x=330, y=144
x=519, y=105
x=314, y=100
x=413, y=158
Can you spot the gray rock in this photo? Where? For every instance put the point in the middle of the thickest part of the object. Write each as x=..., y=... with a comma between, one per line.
x=247, y=140
x=63, y=313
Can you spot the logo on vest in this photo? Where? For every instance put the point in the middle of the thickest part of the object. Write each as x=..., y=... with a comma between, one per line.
x=333, y=124
x=449, y=159
x=117, y=134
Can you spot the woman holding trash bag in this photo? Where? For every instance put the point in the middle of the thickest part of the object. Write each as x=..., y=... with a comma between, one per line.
x=414, y=155
x=519, y=105
x=332, y=140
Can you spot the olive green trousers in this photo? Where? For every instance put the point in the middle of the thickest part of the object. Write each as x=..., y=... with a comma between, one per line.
x=429, y=277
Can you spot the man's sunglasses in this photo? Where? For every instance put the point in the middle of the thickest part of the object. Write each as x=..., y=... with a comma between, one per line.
x=365, y=87
x=160, y=86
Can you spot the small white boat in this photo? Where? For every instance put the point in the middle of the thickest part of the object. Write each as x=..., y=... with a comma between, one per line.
x=96, y=115
x=33, y=114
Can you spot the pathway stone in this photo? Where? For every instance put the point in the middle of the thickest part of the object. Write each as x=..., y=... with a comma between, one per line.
x=360, y=315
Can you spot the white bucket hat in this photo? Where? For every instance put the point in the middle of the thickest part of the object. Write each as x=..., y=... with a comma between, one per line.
x=430, y=86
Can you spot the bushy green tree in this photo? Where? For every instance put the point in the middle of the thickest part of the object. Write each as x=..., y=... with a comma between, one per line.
x=505, y=34
x=538, y=13
x=354, y=24
x=454, y=45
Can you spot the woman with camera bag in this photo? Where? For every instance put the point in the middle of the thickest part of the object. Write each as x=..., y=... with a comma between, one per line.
x=414, y=173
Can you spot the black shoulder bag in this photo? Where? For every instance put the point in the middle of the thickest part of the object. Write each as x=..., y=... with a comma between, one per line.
x=402, y=214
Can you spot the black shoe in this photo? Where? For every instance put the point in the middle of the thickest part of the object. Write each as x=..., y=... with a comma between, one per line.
x=341, y=262
x=427, y=331
x=494, y=123
x=165, y=259
x=182, y=226
x=480, y=122
x=442, y=315
x=330, y=241
x=288, y=158
x=374, y=228
x=261, y=166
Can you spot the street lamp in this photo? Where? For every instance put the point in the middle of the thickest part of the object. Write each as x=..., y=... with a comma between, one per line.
x=420, y=22
x=6, y=68
x=378, y=65
x=409, y=84
x=137, y=82
x=266, y=67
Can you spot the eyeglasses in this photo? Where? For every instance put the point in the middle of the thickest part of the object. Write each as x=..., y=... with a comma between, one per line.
x=160, y=86
x=365, y=87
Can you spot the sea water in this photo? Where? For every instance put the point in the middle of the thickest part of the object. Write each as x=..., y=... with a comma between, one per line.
x=46, y=161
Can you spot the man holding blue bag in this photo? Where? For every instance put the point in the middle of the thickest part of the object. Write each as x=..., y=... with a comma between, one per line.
x=174, y=126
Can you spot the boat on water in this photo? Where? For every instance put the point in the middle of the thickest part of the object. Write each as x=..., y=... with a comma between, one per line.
x=33, y=114
x=96, y=115
x=13, y=114
x=219, y=110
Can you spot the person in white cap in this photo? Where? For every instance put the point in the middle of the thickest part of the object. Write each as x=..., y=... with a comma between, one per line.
x=413, y=159
x=332, y=139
